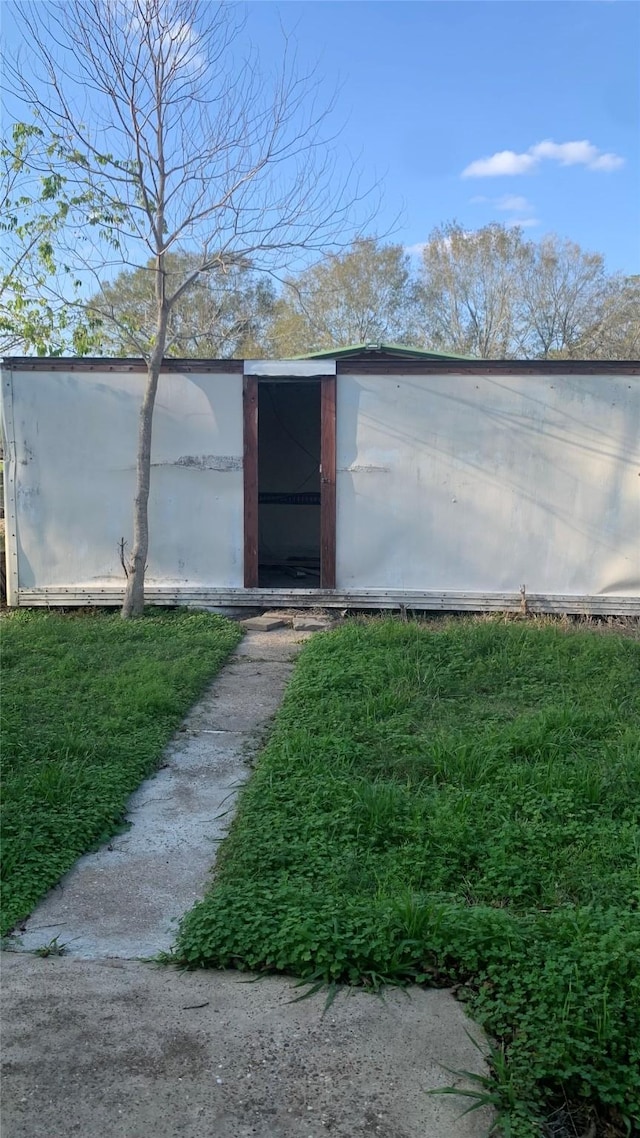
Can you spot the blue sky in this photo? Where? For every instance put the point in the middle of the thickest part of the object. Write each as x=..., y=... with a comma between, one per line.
x=430, y=88
x=519, y=111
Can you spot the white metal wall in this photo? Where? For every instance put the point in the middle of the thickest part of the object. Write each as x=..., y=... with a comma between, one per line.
x=70, y=445
x=453, y=489
x=481, y=484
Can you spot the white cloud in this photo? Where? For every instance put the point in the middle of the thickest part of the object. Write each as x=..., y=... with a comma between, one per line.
x=519, y=209
x=508, y=162
x=566, y=153
x=178, y=42
x=607, y=162
x=522, y=222
x=416, y=250
x=508, y=203
x=513, y=203
x=504, y=162
x=577, y=153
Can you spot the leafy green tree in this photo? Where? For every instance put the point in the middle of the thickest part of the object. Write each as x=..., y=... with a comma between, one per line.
x=224, y=314
x=33, y=209
x=364, y=295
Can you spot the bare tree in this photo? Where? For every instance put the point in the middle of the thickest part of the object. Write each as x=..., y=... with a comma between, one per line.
x=490, y=293
x=162, y=117
x=615, y=335
x=469, y=289
x=363, y=295
x=563, y=293
x=224, y=314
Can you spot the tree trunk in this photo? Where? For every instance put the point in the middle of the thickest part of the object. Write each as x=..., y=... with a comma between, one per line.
x=134, y=593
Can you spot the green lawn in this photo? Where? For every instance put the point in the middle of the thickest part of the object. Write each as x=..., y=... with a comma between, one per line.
x=456, y=803
x=88, y=703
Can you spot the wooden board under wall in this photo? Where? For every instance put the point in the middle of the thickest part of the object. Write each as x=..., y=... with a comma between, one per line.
x=371, y=599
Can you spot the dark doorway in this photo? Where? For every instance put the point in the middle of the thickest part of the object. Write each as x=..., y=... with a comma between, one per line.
x=289, y=484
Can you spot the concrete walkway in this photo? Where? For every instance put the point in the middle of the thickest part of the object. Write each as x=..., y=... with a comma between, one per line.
x=101, y=1045
x=125, y=901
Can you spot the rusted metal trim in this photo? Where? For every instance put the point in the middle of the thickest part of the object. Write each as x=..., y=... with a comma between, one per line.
x=328, y=483
x=103, y=364
x=250, y=468
x=491, y=367
x=370, y=366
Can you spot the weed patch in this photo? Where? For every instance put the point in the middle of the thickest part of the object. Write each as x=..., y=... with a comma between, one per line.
x=88, y=703
x=455, y=806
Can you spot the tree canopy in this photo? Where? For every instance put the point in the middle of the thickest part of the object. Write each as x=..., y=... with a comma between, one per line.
x=34, y=205
x=491, y=294
x=224, y=314
x=366, y=294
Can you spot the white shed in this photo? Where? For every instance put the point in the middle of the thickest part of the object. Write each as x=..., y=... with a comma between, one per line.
x=369, y=478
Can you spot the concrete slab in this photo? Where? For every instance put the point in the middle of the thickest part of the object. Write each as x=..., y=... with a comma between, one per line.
x=312, y=623
x=265, y=623
x=263, y=646
x=125, y=1050
x=126, y=899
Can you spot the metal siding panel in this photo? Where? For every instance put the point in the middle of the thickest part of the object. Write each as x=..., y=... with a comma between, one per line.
x=482, y=484
x=76, y=437
x=452, y=490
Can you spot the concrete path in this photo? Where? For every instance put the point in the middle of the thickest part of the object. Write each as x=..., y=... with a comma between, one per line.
x=123, y=1050
x=101, y=1045
x=125, y=901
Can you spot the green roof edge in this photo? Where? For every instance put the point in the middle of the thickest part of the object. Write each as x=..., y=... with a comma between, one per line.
x=394, y=349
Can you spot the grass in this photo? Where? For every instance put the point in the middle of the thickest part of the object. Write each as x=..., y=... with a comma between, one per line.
x=458, y=805
x=88, y=703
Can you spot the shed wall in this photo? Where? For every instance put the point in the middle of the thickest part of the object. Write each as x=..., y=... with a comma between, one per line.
x=453, y=489
x=71, y=443
x=482, y=484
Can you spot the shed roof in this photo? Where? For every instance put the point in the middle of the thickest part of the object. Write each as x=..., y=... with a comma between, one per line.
x=381, y=351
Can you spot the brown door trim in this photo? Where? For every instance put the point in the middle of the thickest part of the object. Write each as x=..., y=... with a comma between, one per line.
x=328, y=483
x=250, y=467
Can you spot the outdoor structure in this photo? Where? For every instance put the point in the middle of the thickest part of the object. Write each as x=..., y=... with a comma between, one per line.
x=369, y=478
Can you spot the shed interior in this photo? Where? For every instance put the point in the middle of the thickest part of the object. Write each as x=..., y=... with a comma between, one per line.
x=288, y=483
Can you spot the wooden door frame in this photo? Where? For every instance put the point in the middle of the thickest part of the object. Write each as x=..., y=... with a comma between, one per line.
x=250, y=468
x=327, y=480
